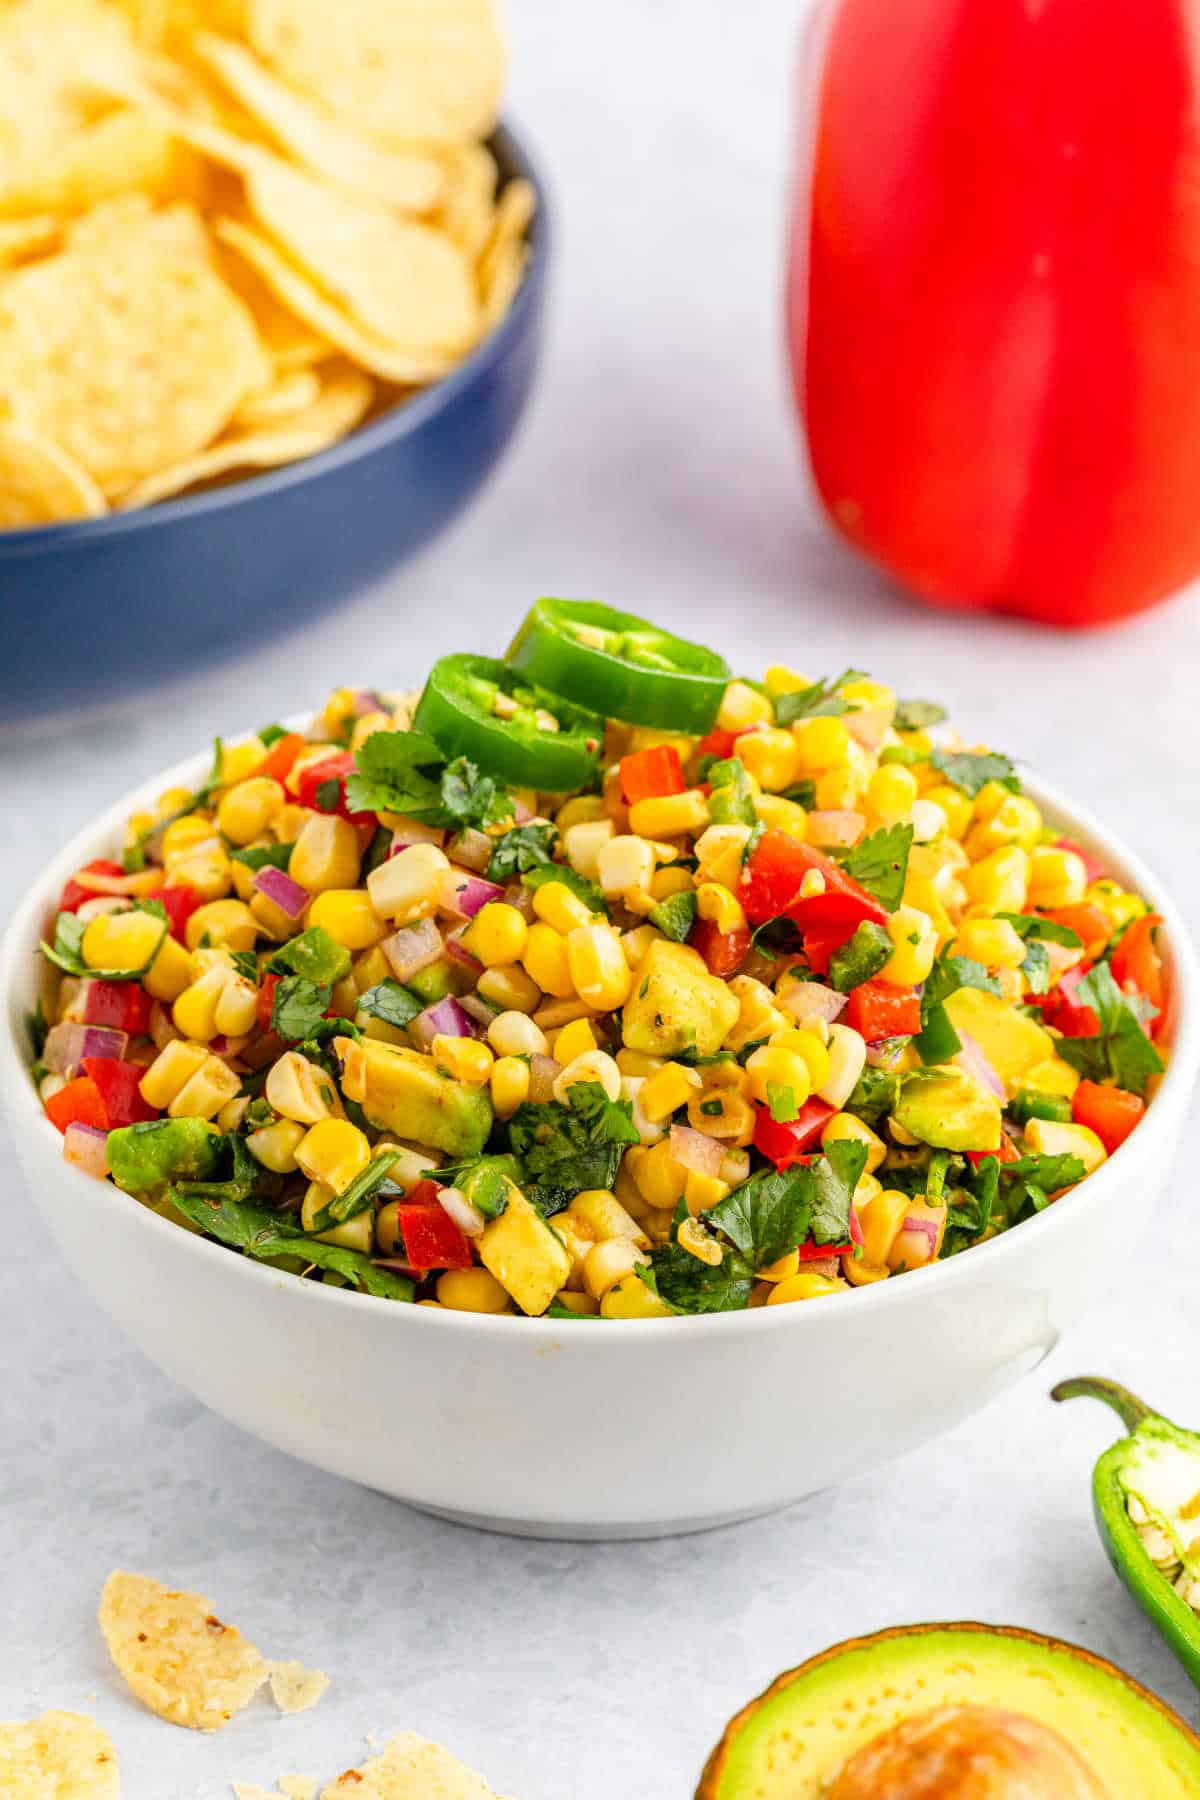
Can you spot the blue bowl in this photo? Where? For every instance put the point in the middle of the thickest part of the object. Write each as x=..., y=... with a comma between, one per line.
x=190, y=581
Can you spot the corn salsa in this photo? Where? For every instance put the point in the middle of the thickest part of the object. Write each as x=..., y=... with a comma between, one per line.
x=513, y=996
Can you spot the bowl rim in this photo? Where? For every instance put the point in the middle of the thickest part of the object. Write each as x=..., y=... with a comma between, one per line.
x=398, y=422
x=17, y=987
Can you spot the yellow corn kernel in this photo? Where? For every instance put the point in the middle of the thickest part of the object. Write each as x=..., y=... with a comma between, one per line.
x=891, y=794
x=1054, y=1076
x=1113, y=899
x=812, y=1048
x=580, y=1303
x=719, y=851
x=274, y=1145
x=121, y=940
x=608, y=1262
x=194, y=1014
x=515, y=1034
x=349, y=917
x=625, y=863
x=846, y=1128
x=743, y=706
x=584, y=844
x=1015, y=821
x=630, y=1298
x=868, y=1189
x=232, y=1113
x=783, y=1269
x=509, y=987
x=772, y=757
x=408, y=886
x=955, y=804
x=238, y=761
x=245, y=811
x=271, y=920
x=170, y=1071
x=637, y=1063
x=472, y=1290
x=670, y=881
x=575, y=1039
x=723, y=908
x=914, y=946
x=582, y=810
x=210, y=872
x=291, y=821
x=699, y=1242
x=552, y=1015
x=821, y=743
x=659, y=1178
x=496, y=935
x=599, y=972
x=466, y=1059
x=669, y=815
x=758, y=1017
x=545, y=961
x=298, y=1089
x=847, y=1055
x=509, y=1082
x=366, y=727
x=1000, y=880
x=212, y=1086
x=599, y=1215
x=326, y=854
x=226, y=922
x=874, y=696
x=702, y=1191
x=1050, y=1137
x=807, y=1285
x=182, y=836
x=236, y=1010
x=593, y=1065
x=334, y=1152
x=881, y=1219
x=861, y=1273
x=558, y=906
x=993, y=942
x=774, y=1068
x=666, y=1090
x=778, y=814
x=1056, y=877
x=779, y=679
x=170, y=972
x=837, y=791
x=724, y=1114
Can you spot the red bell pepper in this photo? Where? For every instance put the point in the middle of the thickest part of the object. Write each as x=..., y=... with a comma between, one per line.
x=1060, y=1008
x=879, y=1009
x=787, y=1142
x=74, y=893
x=277, y=763
x=125, y=1005
x=1111, y=1112
x=431, y=1238
x=648, y=774
x=723, y=951
x=820, y=943
x=181, y=900
x=79, y=1103
x=1090, y=923
x=994, y=298
x=772, y=879
x=316, y=781
x=1136, y=964
x=117, y=1084
x=717, y=743
x=266, y=1001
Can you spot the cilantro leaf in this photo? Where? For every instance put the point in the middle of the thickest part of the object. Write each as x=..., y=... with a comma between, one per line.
x=246, y=964
x=821, y=700
x=524, y=847
x=299, y=1007
x=835, y=1176
x=1026, y=1185
x=675, y=915
x=38, y=1027
x=580, y=886
x=768, y=1215
x=875, y=1094
x=1037, y=933
x=264, y=856
x=397, y=771
x=470, y=798
x=1122, y=1052
x=564, y=1150
x=918, y=715
x=938, y=1041
x=880, y=862
x=859, y=957
x=970, y=770
x=259, y=1232
x=691, y=1286
x=313, y=954
x=391, y=1002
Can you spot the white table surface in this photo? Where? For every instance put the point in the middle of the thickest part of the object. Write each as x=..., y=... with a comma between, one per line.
x=657, y=469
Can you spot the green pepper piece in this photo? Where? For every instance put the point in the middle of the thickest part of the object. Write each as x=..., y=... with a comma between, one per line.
x=730, y=801
x=621, y=664
x=143, y=1158
x=1136, y=1466
x=1031, y=1103
x=458, y=710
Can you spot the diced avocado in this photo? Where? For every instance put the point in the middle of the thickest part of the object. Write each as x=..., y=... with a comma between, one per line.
x=147, y=1157
x=948, y=1110
x=432, y=983
x=524, y=1255
x=403, y=1091
x=314, y=955
x=1066, y=1719
x=1012, y=1043
x=676, y=1005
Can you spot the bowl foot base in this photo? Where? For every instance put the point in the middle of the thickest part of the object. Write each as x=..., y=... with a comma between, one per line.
x=584, y=1532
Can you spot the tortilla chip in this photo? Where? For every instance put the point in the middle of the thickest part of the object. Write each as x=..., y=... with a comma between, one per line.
x=40, y=483
x=294, y=1688
x=410, y=1768
x=178, y=1658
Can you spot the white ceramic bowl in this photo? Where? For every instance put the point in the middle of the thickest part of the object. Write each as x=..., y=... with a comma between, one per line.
x=585, y=1429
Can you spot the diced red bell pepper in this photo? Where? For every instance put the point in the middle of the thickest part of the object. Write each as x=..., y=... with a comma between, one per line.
x=718, y=744
x=79, y=1103
x=821, y=941
x=1090, y=923
x=1060, y=1008
x=266, y=1000
x=772, y=879
x=1137, y=964
x=1007, y=1152
x=180, y=900
x=314, y=782
x=1111, y=1112
x=811, y=1251
x=1096, y=870
x=125, y=1005
x=723, y=951
x=879, y=1009
x=117, y=1083
x=74, y=894
x=431, y=1238
x=277, y=763
x=649, y=774
x=787, y=1142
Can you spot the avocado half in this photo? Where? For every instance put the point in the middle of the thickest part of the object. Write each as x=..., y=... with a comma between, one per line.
x=794, y=1740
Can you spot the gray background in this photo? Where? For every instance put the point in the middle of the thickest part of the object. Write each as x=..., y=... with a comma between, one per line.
x=659, y=470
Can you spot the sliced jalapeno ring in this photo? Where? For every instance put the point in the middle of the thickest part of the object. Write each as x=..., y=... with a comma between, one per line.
x=477, y=707
x=622, y=665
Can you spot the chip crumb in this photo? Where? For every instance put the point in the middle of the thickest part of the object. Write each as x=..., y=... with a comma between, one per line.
x=179, y=1658
x=59, y=1756
x=294, y=1688
x=410, y=1768
x=298, y=1787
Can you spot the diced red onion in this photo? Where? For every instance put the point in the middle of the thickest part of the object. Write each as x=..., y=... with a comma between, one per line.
x=468, y=1218
x=467, y=894
x=227, y=1046
x=85, y=1147
x=543, y=1073
x=397, y=1265
x=473, y=849
x=521, y=813
x=810, y=999
x=885, y=1054
x=835, y=829
x=868, y=726
x=972, y=1060
x=446, y=1019
x=279, y=887
x=411, y=831
x=412, y=949
x=67, y=1045
x=366, y=700
x=477, y=1009
x=457, y=951
x=695, y=1151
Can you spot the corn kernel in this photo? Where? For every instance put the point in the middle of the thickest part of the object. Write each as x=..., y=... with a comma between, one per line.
x=1015, y=821
x=509, y=987
x=584, y=844
x=669, y=815
x=724, y=909
x=325, y=854
x=121, y=940
x=783, y=1269
x=636, y=1062
x=232, y=1113
x=702, y=1191
x=666, y=1090
x=496, y=935
x=333, y=1152
x=623, y=863
x=743, y=706
x=630, y=1298
x=847, y=1056
x=1111, y=898
x=837, y=790
x=807, y=1285
x=891, y=794
x=275, y=1145
x=515, y=1034
x=583, y=1304
x=366, y=727
x=558, y=906
x=1000, y=880
x=209, y=871
x=224, y=922
x=545, y=960
x=668, y=881
x=246, y=810
x=699, y=1242
x=771, y=1068
x=608, y=1262
x=812, y=1048
x=914, y=946
x=881, y=1219
x=552, y=1015
x=575, y=1039
x=779, y=679
x=772, y=757
x=846, y=1128
x=509, y=1082
x=349, y=917
x=408, y=886
x=182, y=836
x=239, y=761
x=719, y=851
x=1050, y=1137
x=861, y=1273
x=929, y=822
x=472, y=1290
x=194, y=1013
x=598, y=971
x=1054, y=1076
x=170, y=972
x=170, y=1071
x=1056, y=877
x=593, y=1065
x=731, y=1122
x=993, y=942
x=955, y=804
x=582, y=810
x=206, y=1092
x=659, y=1178
x=599, y=1214
x=758, y=1017
x=778, y=814
x=300, y=1090
x=821, y=743
x=465, y=1059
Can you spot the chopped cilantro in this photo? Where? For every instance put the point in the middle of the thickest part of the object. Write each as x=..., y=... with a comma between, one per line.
x=391, y=1002
x=821, y=700
x=259, y=1232
x=918, y=715
x=580, y=886
x=313, y=954
x=264, y=856
x=246, y=964
x=691, y=1286
x=938, y=1041
x=1037, y=933
x=406, y=772
x=563, y=1150
x=298, y=1008
x=875, y=1094
x=970, y=770
x=861, y=957
x=524, y=847
x=38, y=1027
x=879, y=863
x=1121, y=1052
x=327, y=794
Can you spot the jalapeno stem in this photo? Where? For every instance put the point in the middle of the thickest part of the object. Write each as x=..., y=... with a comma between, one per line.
x=1132, y=1411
